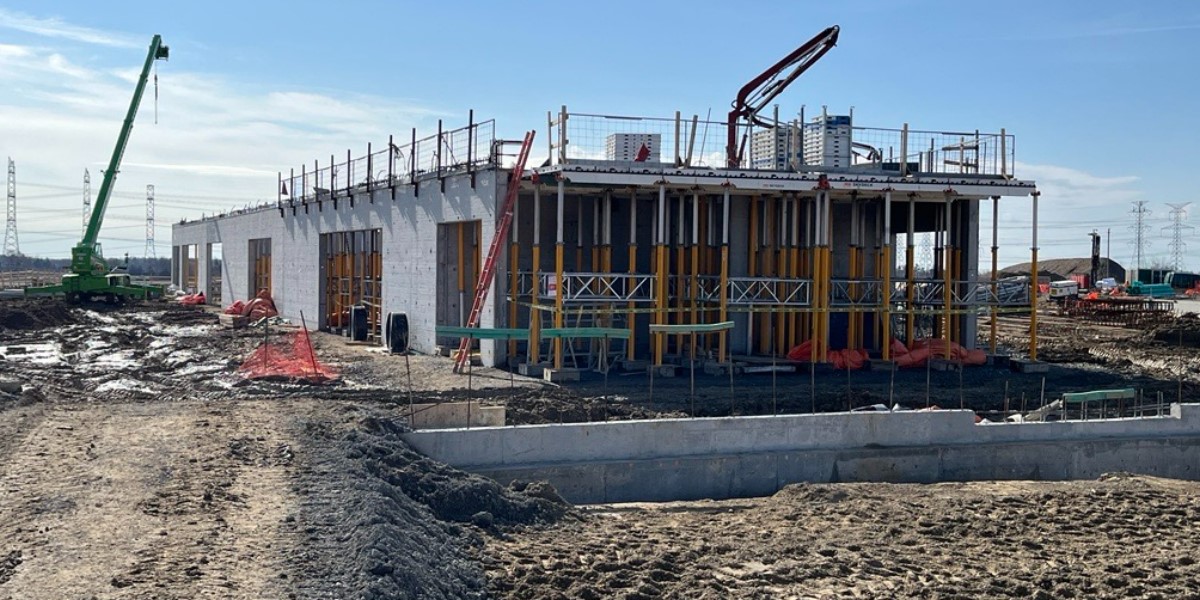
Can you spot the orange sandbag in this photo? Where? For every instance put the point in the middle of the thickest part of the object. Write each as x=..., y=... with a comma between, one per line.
x=848, y=359
x=261, y=307
x=235, y=309
x=801, y=353
x=192, y=299
x=898, y=348
x=914, y=358
x=975, y=357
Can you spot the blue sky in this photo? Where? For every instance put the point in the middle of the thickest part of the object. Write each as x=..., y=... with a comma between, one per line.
x=1099, y=95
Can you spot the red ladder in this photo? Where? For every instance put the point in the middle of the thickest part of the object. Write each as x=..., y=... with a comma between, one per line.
x=488, y=273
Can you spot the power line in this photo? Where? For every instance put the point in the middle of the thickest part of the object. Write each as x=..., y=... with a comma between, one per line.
x=150, y=253
x=87, y=198
x=1178, y=217
x=11, y=248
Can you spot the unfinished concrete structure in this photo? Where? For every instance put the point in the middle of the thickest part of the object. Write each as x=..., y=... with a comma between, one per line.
x=613, y=237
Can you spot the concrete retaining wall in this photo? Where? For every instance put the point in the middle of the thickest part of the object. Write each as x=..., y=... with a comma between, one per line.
x=680, y=459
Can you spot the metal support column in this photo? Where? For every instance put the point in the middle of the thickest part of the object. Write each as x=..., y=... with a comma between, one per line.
x=535, y=317
x=910, y=272
x=1033, y=276
x=723, y=290
x=558, y=272
x=885, y=270
x=995, y=264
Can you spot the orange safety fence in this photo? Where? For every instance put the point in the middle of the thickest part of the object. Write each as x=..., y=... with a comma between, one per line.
x=291, y=357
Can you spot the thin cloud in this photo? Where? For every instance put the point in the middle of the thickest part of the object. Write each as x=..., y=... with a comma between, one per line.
x=57, y=28
x=1105, y=32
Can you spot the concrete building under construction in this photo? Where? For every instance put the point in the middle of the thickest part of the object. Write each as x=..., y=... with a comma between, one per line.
x=787, y=255
x=637, y=241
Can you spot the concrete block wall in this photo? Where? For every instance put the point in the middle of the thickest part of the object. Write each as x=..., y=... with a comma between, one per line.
x=409, y=225
x=680, y=459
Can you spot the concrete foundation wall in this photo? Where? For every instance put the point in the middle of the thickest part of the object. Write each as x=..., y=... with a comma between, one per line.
x=409, y=225
x=748, y=456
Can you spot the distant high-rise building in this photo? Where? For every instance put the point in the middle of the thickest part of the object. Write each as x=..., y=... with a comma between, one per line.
x=629, y=147
x=772, y=148
x=827, y=141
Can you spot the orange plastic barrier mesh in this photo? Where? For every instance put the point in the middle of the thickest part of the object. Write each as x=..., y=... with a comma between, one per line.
x=290, y=357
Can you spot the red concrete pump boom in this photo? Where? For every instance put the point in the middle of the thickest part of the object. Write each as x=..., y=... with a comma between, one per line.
x=756, y=95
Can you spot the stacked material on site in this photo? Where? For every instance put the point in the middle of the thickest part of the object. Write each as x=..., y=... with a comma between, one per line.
x=260, y=307
x=915, y=355
x=193, y=299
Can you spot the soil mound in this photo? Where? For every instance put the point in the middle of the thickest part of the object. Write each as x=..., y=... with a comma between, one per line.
x=22, y=315
x=1185, y=330
x=379, y=520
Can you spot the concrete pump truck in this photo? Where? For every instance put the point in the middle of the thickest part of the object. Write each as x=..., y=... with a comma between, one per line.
x=90, y=276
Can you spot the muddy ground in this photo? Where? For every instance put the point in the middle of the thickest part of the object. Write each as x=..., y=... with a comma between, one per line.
x=136, y=463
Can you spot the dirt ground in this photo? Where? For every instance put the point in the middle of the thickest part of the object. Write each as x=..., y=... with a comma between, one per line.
x=136, y=463
x=1119, y=537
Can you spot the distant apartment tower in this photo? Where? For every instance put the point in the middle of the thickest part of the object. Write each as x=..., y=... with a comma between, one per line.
x=771, y=148
x=627, y=146
x=827, y=141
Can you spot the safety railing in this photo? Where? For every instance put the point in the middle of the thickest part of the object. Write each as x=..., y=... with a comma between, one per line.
x=854, y=292
x=456, y=150
x=746, y=291
x=964, y=293
x=589, y=287
x=818, y=145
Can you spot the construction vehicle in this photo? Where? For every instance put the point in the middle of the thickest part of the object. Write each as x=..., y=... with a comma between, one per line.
x=90, y=276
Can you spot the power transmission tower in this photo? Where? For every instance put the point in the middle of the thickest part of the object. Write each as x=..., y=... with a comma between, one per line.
x=1178, y=218
x=87, y=199
x=1140, y=229
x=925, y=254
x=11, y=248
x=150, y=221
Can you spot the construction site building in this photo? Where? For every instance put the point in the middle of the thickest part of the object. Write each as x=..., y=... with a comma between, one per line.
x=607, y=236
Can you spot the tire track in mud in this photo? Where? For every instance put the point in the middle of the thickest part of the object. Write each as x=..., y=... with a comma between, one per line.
x=146, y=501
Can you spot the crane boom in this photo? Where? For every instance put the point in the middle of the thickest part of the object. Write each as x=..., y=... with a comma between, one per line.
x=760, y=91
x=157, y=51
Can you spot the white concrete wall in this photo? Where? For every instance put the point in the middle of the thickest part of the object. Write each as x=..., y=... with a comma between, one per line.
x=675, y=459
x=409, y=225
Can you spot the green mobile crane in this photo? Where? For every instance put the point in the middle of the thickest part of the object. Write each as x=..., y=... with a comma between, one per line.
x=90, y=275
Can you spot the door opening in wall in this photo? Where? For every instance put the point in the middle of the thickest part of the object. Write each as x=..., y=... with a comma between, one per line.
x=190, y=261
x=352, y=263
x=260, y=265
x=458, y=263
x=216, y=273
